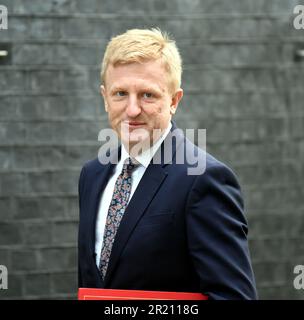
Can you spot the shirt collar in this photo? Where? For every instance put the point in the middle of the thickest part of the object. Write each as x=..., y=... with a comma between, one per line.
x=146, y=156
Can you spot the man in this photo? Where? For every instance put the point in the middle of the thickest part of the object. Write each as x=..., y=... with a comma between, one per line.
x=147, y=224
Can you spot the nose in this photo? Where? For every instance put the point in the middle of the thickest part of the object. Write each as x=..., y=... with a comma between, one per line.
x=133, y=108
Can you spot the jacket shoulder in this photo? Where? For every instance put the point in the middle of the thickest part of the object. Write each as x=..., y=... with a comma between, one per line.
x=92, y=165
x=205, y=163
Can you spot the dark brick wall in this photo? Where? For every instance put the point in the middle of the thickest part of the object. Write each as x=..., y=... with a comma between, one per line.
x=241, y=82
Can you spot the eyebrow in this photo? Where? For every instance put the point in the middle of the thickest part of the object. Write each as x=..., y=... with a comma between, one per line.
x=153, y=88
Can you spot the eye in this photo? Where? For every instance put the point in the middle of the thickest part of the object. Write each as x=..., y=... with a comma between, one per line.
x=120, y=93
x=148, y=95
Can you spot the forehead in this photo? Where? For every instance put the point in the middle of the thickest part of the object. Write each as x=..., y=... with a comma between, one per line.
x=150, y=73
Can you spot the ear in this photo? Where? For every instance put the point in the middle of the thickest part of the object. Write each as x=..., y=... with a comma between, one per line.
x=177, y=97
x=103, y=93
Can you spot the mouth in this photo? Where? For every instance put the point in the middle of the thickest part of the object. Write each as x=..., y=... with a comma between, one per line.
x=134, y=124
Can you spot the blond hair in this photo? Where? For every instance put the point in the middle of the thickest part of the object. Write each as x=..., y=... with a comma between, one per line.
x=142, y=45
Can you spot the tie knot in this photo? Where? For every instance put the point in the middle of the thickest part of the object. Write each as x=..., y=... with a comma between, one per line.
x=129, y=165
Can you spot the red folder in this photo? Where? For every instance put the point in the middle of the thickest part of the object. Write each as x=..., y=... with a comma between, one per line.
x=111, y=294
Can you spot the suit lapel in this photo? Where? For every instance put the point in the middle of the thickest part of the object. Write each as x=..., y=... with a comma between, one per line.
x=145, y=192
x=150, y=183
x=99, y=183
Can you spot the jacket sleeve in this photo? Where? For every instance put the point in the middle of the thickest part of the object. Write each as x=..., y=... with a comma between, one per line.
x=217, y=235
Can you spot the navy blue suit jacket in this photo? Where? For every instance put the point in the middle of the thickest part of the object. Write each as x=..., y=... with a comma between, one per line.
x=180, y=232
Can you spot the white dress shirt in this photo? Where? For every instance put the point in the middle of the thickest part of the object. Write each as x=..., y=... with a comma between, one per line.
x=144, y=159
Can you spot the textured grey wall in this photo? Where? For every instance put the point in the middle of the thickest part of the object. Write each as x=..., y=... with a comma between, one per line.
x=241, y=83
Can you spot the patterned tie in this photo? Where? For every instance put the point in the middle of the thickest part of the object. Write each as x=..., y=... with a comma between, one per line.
x=116, y=210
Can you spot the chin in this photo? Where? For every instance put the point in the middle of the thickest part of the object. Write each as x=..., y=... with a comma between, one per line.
x=138, y=143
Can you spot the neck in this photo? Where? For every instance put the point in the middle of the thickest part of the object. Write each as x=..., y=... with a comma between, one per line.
x=136, y=148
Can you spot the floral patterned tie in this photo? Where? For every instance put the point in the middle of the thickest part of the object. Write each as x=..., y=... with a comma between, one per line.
x=116, y=210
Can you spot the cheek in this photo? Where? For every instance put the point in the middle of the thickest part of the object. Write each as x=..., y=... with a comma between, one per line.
x=115, y=110
x=157, y=109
